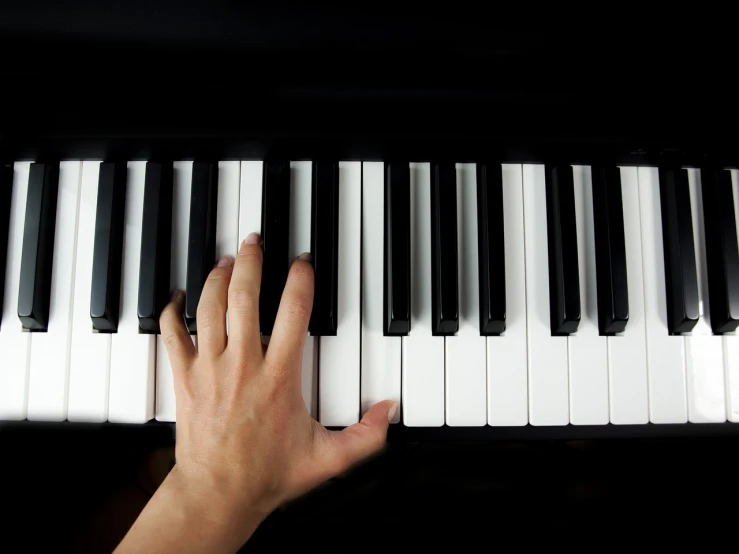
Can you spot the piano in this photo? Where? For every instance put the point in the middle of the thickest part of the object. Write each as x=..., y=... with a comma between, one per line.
x=508, y=246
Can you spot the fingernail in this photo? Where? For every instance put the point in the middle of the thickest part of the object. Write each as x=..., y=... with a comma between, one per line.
x=176, y=295
x=306, y=257
x=252, y=238
x=392, y=411
x=225, y=261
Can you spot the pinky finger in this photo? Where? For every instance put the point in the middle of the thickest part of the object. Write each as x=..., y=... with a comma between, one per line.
x=180, y=349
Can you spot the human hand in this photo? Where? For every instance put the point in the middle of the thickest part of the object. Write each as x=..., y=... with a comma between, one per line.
x=245, y=440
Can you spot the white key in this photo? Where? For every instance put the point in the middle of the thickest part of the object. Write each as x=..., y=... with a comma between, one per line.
x=548, y=386
x=166, y=405
x=731, y=342
x=665, y=353
x=14, y=342
x=49, y=362
x=250, y=198
x=381, y=358
x=507, y=357
x=588, y=359
x=340, y=355
x=627, y=352
x=423, y=354
x=731, y=353
x=227, y=220
x=704, y=350
x=89, y=366
x=227, y=217
x=466, y=353
x=250, y=202
x=132, y=355
x=300, y=234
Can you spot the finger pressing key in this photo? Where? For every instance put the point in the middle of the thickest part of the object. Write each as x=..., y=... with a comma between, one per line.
x=291, y=323
x=212, y=309
x=180, y=349
x=243, y=297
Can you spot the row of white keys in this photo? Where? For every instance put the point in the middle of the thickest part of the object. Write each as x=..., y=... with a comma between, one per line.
x=49, y=361
x=381, y=355
x=14, y=342
x=547, y=355
x=300, y=241
x=627, y=352
x=665, y=353
x=588, y=351
x=166, y=406
x=466, y=375
x=423, y=353
x=731, y=342
x=340, y=356
x=507, y=356
x=89, y=367
x=132, y=354
x=704, y=350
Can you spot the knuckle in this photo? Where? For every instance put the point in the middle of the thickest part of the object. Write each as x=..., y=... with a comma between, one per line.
x=218, y=274
x=208, y=317
x=172, y=342
x=376, y=439
x=165, y=318
x=297, y=310
x=301, y=271
x=169, y=317
x=242, y=301
x=249, y=255
x=271, y=368
x=277, y=377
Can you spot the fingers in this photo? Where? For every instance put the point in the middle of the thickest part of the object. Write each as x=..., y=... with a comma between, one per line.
x=180, y=349
x=293, y=316
x=212, y=307
x=361, y=440
x=243, y=296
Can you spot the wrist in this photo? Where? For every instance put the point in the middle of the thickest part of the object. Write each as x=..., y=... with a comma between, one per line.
x=228, y=511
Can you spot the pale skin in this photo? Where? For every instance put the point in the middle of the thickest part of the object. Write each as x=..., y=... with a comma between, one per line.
x=246, y=443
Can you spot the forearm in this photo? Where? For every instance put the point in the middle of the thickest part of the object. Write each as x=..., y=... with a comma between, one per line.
x=183, y=518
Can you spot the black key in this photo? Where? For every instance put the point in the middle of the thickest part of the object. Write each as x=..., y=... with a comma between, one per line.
x=610, y=250
x=444, y=283
x=397, y=290
x=34, y=293
x=106, y=258
x=325, y=248
x=679, y=250
x=275, y=241
x=201, y=242
x=156, y=245
x=564, y=279
x=6, y=192
x=722, y=257
x=491, y=249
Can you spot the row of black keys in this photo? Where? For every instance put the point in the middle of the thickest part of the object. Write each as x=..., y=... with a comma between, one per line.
x=611, y=271
x=564, y=285
x=154, y=275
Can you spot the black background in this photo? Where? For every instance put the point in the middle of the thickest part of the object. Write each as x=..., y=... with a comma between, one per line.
x=78, y=487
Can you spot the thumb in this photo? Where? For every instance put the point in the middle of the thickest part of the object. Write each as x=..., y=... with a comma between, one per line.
x=363, y=439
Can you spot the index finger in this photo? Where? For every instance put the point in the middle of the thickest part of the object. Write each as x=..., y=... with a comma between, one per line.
x=293, y=316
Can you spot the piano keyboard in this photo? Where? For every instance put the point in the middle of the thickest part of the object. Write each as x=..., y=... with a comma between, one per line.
x=472, y=294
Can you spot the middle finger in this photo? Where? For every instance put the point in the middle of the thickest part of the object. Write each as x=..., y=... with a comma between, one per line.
x=211, y=316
